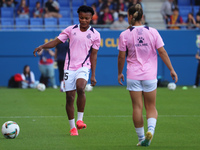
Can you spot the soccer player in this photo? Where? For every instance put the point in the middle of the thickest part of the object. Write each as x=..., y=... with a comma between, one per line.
x=140, y=42
x=80, y=58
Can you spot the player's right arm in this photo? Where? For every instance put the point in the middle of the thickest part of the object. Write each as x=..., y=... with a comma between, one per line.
x=48, y=45
x=165, y=58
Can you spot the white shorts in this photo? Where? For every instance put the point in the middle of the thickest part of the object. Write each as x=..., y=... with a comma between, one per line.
x=70, y=77
x=141, y=85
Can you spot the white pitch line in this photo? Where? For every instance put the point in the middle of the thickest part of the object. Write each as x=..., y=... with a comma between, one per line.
x=100, y=116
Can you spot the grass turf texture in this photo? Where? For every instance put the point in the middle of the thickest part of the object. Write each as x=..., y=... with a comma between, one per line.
x=44, y=125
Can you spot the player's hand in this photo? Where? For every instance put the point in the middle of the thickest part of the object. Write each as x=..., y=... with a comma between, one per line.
x=174, y=76
x=120, y=77
x=38, y=49
x=93, y=81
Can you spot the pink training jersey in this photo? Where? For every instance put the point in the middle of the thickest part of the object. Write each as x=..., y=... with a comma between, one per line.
x=80, y=46
x=141, y=43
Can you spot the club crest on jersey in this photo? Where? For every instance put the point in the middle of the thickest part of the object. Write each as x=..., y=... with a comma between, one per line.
x=74, y=33
x=89, y=36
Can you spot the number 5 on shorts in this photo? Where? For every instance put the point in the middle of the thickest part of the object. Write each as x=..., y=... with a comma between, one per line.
x=66, y=75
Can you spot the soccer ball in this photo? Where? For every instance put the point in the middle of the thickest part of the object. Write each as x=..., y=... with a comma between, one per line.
x=171, y=86
x=41, y=87
x=10, y=129
x=88, y=88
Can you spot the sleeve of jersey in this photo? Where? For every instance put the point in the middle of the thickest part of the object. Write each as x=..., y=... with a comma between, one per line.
x=122, y=43
x=97, y=42
x=159, y=40
x=64, y=35
x=32, y=76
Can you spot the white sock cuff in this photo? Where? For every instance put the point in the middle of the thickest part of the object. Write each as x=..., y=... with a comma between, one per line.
x=151, y=121
x=72, y=123
x=80, y=116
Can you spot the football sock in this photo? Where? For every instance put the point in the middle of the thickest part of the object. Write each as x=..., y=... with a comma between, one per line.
x=80, y=116
x=140, y=133
x=72, y=123
x=151, y=122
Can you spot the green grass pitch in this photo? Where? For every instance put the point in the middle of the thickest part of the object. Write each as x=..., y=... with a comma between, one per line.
x=44, y=125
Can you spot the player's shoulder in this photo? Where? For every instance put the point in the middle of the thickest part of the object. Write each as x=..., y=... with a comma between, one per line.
x=94, y=31
x=125, y=32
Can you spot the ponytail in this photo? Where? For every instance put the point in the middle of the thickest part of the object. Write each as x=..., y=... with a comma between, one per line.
x=137, y=12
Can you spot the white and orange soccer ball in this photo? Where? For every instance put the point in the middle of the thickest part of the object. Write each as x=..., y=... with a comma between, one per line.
x=10, y=129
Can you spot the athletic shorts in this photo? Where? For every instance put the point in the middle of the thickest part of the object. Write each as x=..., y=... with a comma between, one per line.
x=141, y=85
x=70, y=77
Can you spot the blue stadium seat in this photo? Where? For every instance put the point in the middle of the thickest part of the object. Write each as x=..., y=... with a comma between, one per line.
x=36, y=23
x=50, y=23
x=7, y=12
x=75, y=20
x=185, y=10
x=74, y=11
x=32, y=3
x=7, y=23
x=195, y=10
x=64, y=3
x=185, y=18
x=90, y=2
x=65, y=12
x=22, y=23
x=77, y=3
x=64, y=22
x=183, y=2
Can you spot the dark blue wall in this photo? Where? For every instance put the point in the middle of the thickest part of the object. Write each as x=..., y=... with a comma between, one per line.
x=17, y=50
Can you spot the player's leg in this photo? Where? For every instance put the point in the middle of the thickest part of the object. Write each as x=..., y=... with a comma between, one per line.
x=82, y=78
x=135, y=91
x=137, y=104
x=150, y=88
x=70, y=89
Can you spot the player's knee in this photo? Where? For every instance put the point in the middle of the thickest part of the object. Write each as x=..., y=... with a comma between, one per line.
x=80, y=91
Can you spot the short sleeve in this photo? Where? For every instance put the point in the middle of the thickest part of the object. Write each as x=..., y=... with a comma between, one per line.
x=64, y=35
x=97, y=42
x=159, y=41
x=122, y=42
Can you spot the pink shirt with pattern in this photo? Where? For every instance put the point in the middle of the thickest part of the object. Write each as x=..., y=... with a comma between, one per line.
x=141, y=43
x=79, y=46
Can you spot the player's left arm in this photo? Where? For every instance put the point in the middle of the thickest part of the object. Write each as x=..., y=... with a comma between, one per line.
x=93, y=60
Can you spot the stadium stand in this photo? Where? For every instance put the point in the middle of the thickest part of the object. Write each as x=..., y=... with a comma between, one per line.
x=68, y=10
x=33, y=2
x=185, y=10
x=7, y=23
x=22, y=23
x=65, y=12
x=64, y=22
x=195, y=10
x=184, y=2
x=77, y=3
x=36, y=23
x=90, y=2
x=50, y=23
x=64, y=3
x=7, y=12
